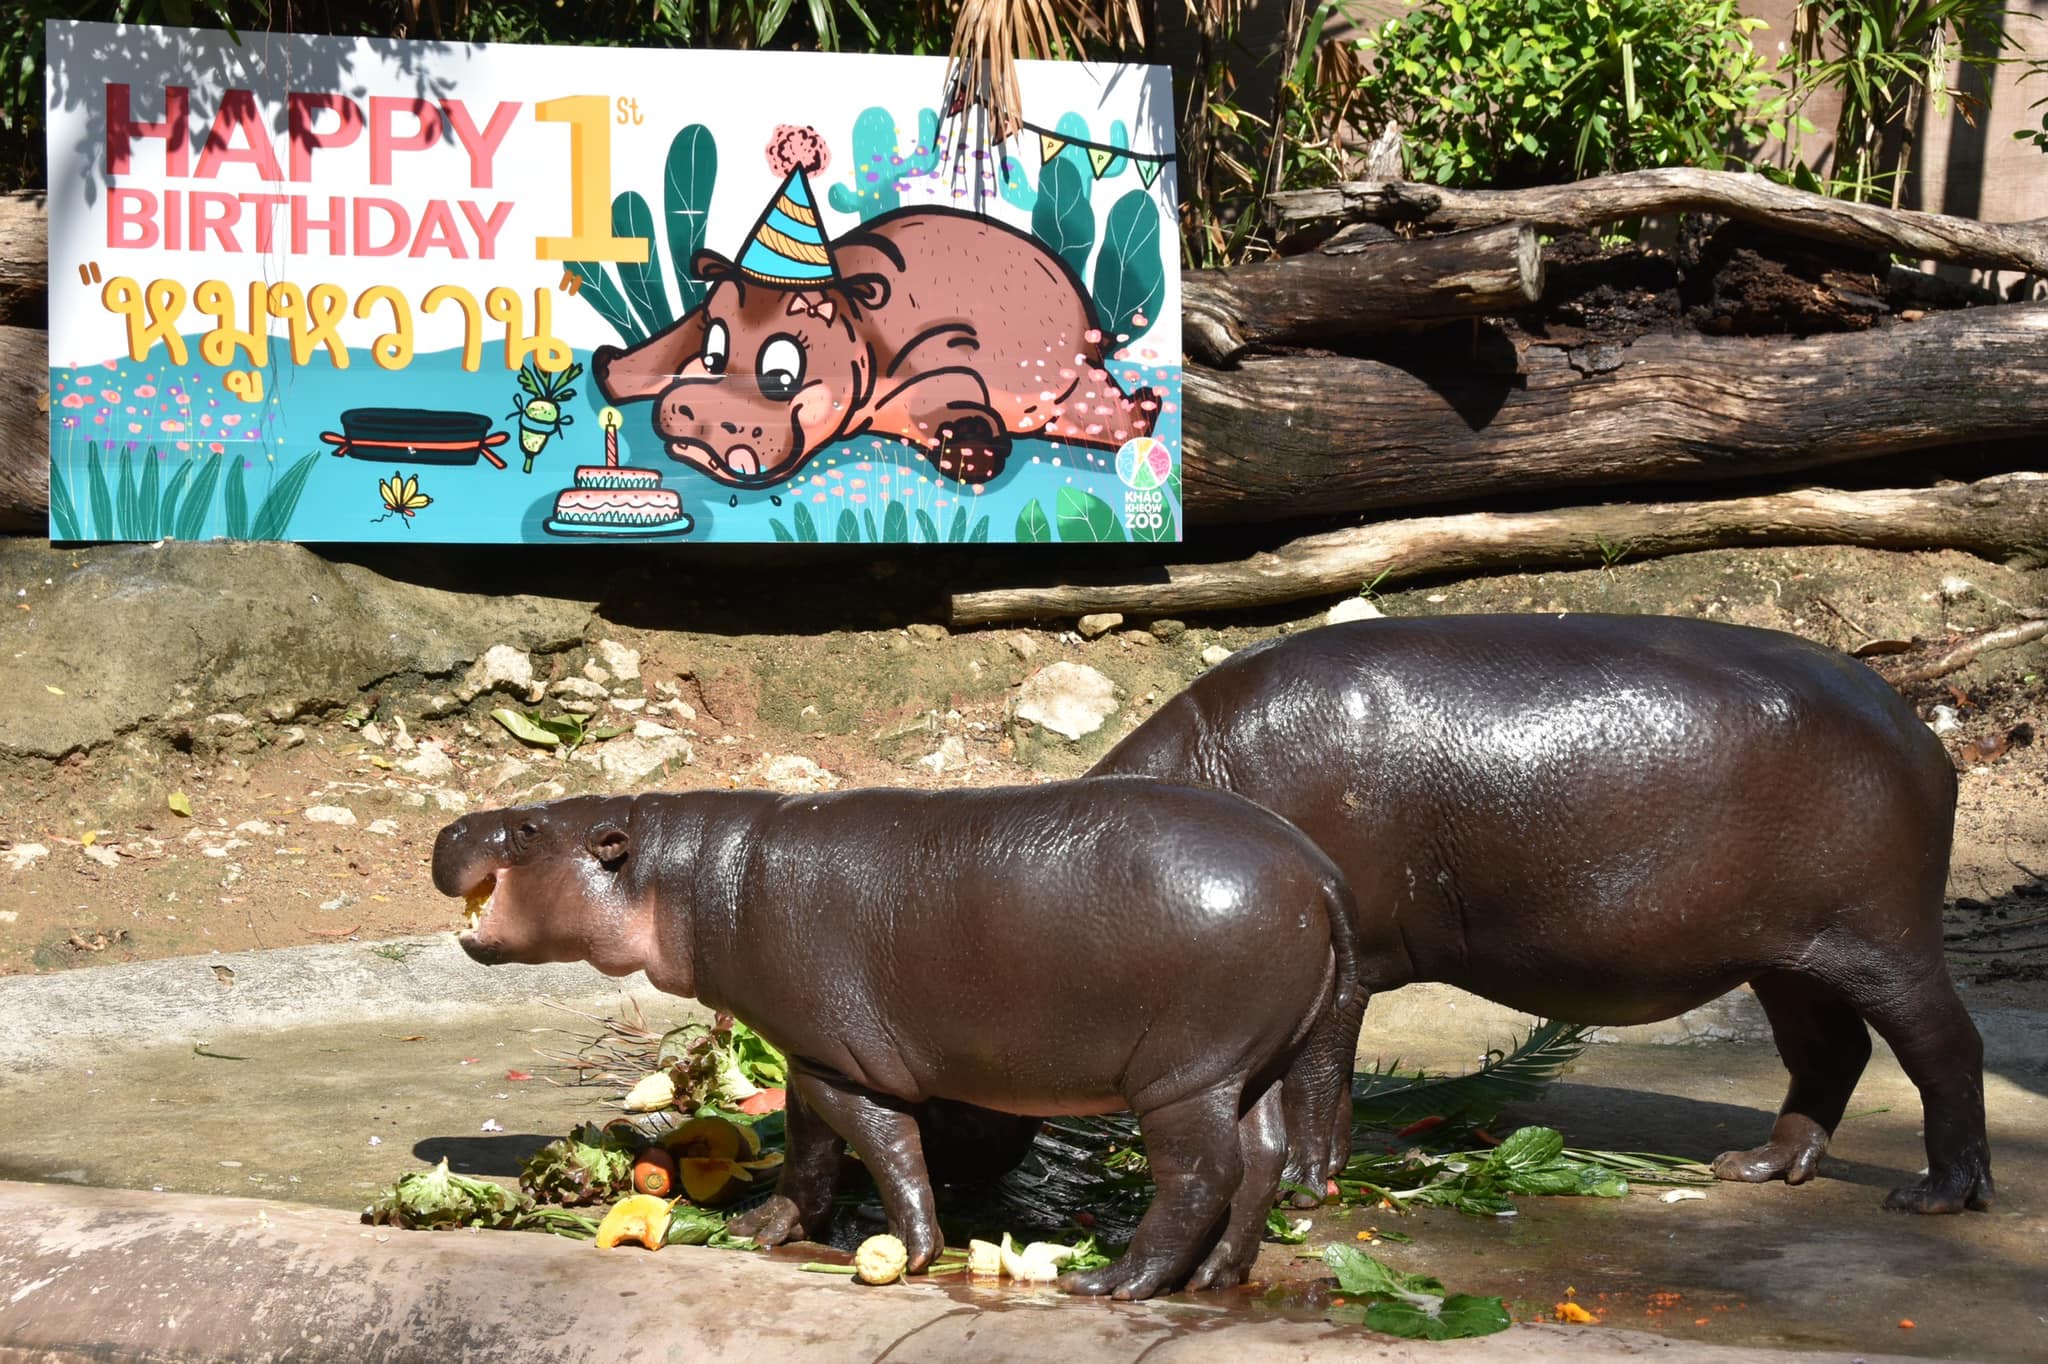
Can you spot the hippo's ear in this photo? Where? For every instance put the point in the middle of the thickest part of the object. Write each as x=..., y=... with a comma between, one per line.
x=608, y=843
x=710, y=267
x=868, y=292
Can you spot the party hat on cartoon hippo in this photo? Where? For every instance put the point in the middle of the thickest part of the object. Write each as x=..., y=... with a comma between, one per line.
x=788, y=246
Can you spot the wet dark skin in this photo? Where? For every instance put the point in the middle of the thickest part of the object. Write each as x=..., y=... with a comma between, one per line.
x=1611, y=820
x=1077, y=947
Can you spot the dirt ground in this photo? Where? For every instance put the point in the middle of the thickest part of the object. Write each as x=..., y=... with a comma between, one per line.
x=127, y=876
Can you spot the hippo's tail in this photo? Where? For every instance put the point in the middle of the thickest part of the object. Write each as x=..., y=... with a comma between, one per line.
x=1339, y=904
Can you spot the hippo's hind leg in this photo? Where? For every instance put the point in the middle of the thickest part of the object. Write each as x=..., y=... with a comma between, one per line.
x=1318, y=1102
x=801, y=1206
x=1938, y=1046
x=1196, y=1163
x=1262, y=1140
x=1823, y=1043
x=883, y=1133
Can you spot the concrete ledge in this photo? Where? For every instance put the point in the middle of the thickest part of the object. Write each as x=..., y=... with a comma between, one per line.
x=42, y=1018
x=89, y=1274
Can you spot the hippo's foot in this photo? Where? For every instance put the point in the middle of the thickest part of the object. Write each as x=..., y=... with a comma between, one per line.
x=1951, y=1192
x=971, y=450
x=1298, y=1179
x=1792, y=1154
x=1227, y=1266
x=1128, y=1280
x=774, y=1222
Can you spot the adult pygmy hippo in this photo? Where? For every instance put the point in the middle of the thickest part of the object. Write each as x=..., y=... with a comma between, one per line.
x=1078, y=947
x=945, y=329
x=1613, y=819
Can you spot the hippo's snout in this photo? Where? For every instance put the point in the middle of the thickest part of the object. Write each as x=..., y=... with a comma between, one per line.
x=464, y=856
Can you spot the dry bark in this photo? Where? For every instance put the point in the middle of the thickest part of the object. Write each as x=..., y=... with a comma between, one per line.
x=25, y=432
x=24, y=261
x=2003, y=516
x=1610, y=198
x=1348, y=290
x=1317, y=435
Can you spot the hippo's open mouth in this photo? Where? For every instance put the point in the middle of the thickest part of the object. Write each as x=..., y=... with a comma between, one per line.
x=739, y=467
x=476, y=903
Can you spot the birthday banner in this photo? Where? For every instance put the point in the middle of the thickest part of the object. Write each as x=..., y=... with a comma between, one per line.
x=327, y=289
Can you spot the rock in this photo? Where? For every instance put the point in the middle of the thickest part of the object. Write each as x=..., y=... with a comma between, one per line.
x=230, y=720
x=1070, y=699
x=1143, y=639
x=1351, y=608
x=439, y=706
x=582, y=688
x=1945, y=720
x=261, y=827
x=431, y=762
x=629, y=702
x=505, y=773
x=452, y=802
x=623, y=662
x=1022, y=645
x=1100, y=623
x=794, y=775
x=293, y=737
x=501, y=669
x=22, y=856
x=648, y=729
x=374, y=735
x=386, y=827
x=635, y=758
x=596, y=673
x=330, y=814
x=1167, y=631
x=1214, y=654
x=925, y=632
x=581, y=707
x=106, y=857
x=951, y=754
x=540, y=791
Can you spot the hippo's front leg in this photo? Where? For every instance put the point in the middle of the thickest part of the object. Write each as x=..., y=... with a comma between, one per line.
x=801, y=1206
x=883, y=1133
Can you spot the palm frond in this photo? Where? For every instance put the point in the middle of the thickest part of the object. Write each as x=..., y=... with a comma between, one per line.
x=1384, y=1098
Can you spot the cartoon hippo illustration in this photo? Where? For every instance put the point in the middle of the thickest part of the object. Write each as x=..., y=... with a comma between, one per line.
x=942, y=328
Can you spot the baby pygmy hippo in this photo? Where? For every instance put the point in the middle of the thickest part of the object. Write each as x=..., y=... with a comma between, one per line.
x=1076, y=947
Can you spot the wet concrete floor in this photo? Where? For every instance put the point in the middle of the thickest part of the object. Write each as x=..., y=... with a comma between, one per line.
x=329, y=1115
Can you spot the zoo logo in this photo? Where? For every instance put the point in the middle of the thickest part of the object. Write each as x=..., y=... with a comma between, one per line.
x=1144, y=464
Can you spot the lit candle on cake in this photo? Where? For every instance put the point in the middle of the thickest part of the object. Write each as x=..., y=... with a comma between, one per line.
x=611, y=421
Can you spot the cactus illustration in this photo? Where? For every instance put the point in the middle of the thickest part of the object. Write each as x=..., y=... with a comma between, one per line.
x=880, y=164
x=631, y=297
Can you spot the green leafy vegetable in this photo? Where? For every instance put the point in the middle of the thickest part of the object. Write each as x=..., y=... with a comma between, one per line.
x=719, y=1065
x=436, y=1199
x=1413, y=1306
x=689, y=1225
x=591, y=1165
x=1284, y=1229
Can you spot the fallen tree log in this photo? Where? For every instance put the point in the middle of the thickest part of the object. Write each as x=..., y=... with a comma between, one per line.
x=1631, y=194
x=1387, y=286
x=25, y=433
x=1305, y=435
x=2003, y=516
x=24, y=261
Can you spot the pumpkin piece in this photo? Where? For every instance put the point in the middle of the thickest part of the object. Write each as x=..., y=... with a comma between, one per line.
x=710, y=1181
x=654, y=1172
x=712, y=1139
x=639, y=1218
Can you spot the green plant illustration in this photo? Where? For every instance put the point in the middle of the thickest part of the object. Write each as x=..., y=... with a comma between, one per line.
x=880, y=162
x=146, y=505
x=1130, y=273
x=631, y=297
x=1032, y=527
x=1063, y=217
x=1084, y=518
x=894, y=527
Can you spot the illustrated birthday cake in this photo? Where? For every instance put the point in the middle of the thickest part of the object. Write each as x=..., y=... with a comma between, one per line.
x=617, y=499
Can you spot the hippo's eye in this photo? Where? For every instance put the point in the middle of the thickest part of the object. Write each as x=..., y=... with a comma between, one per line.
x=715, y=345
x=781, y=368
